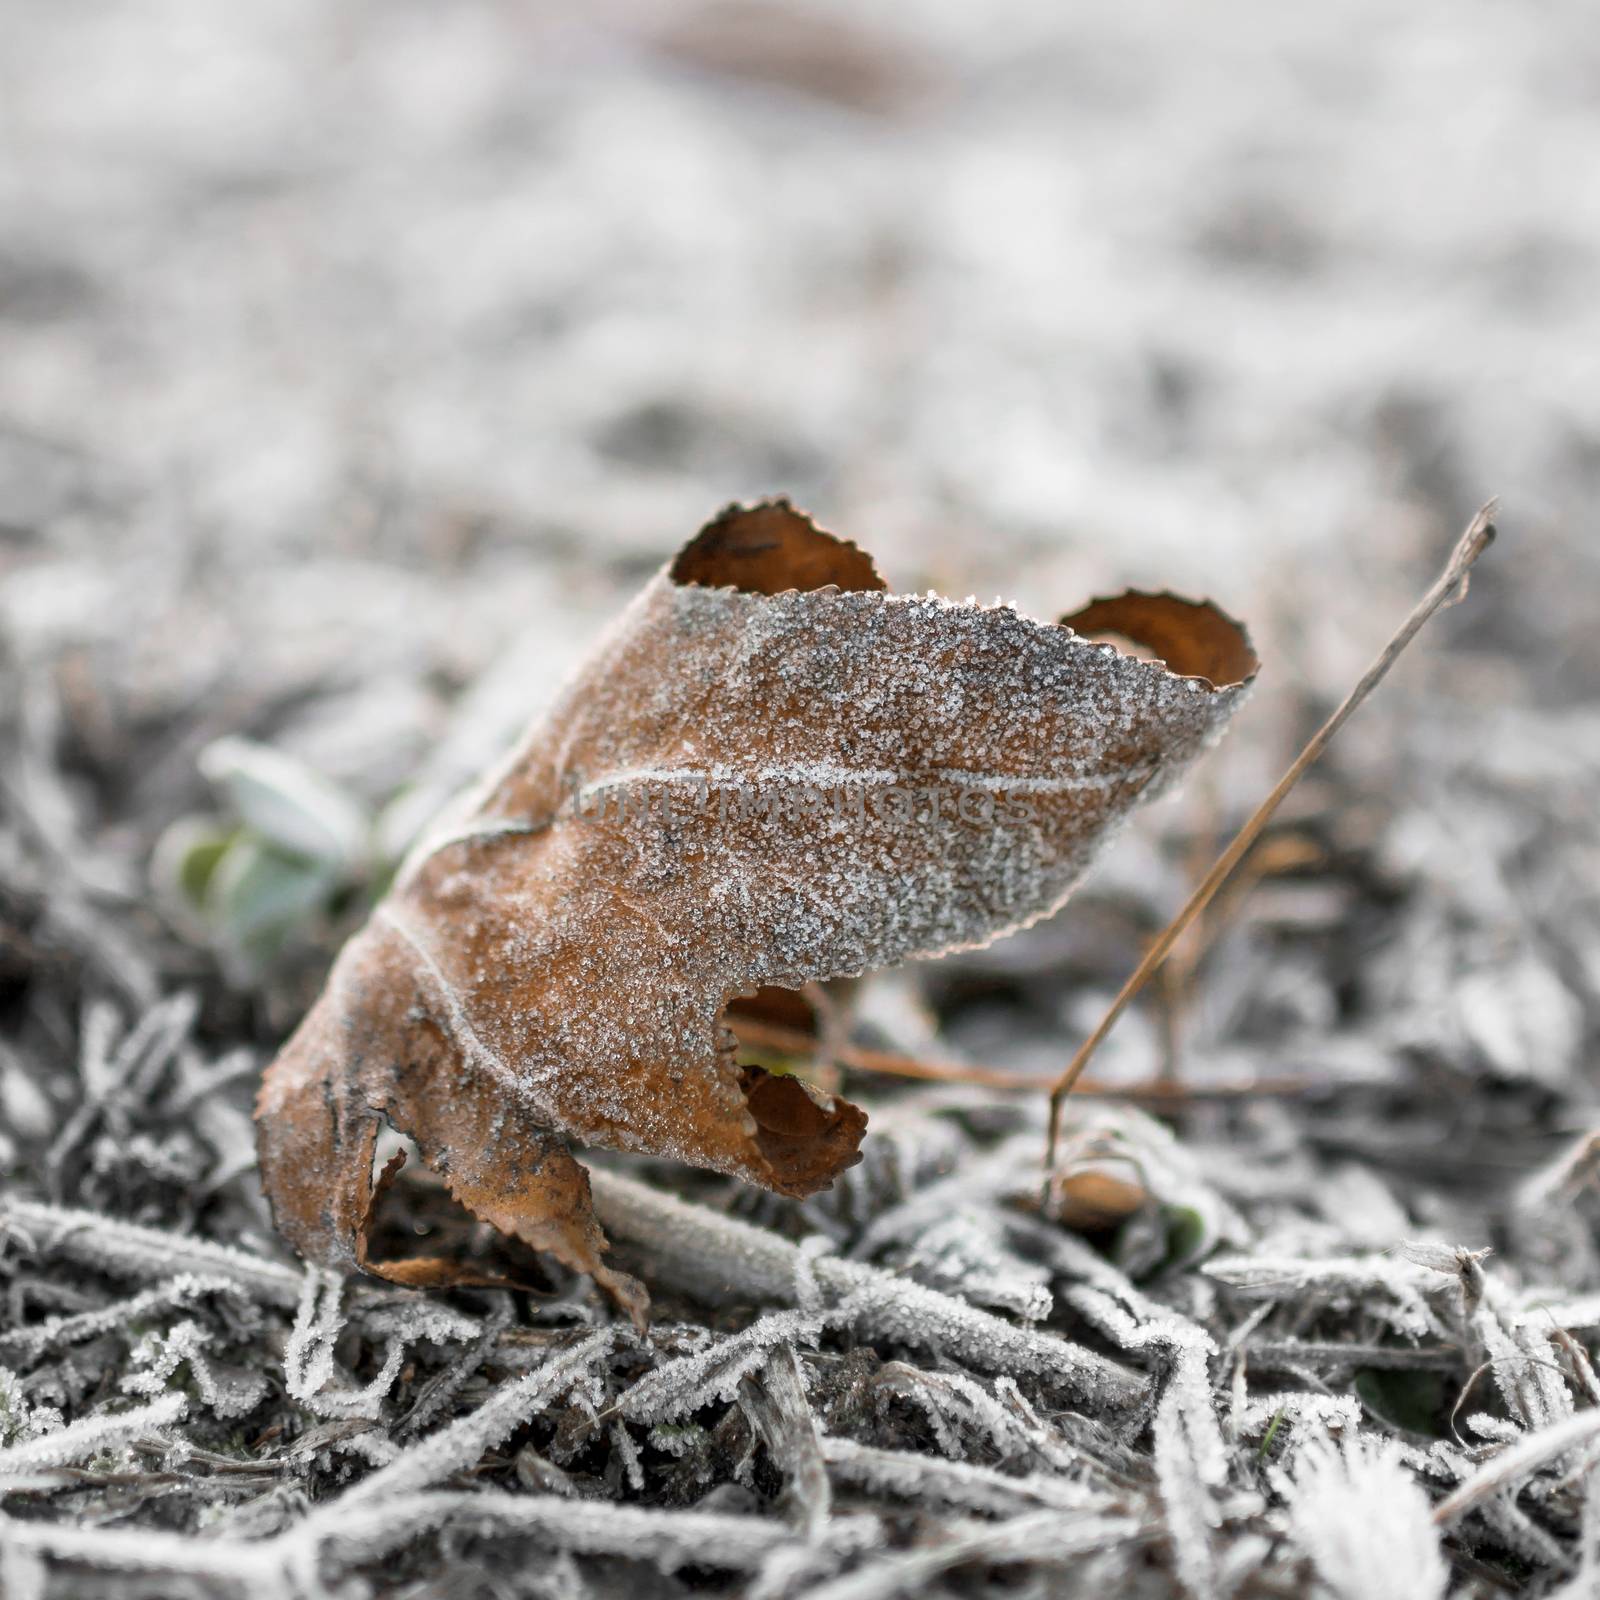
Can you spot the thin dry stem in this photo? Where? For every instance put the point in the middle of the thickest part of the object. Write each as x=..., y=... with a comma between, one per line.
x=1449, y=587
x=762, y=1035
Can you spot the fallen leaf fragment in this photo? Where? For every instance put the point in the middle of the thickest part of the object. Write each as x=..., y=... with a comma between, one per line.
x=770, y=771
x=1090, y=1199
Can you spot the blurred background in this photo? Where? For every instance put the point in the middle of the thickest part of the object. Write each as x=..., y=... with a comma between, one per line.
x=358, y=359
x=339, y=332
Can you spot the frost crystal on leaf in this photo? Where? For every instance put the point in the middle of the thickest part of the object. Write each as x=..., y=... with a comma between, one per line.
x=1365, y=1524
x=678, y=1387
x=78, y=1441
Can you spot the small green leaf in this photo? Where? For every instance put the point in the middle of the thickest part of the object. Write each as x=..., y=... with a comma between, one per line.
x=185, y=857
x=1270, y=1434
x=1413, y=1401
x=778, y=1063
x=288, y=804
x=259, y=896
x=198, y=863
x=1190, y=1234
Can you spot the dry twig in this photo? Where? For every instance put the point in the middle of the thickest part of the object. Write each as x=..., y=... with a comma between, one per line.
x=1449, y=587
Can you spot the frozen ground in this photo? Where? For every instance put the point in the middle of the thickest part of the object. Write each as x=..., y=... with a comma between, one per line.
x=356, y=360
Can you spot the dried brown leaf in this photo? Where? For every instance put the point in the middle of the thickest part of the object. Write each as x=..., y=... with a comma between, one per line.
x=770, y=771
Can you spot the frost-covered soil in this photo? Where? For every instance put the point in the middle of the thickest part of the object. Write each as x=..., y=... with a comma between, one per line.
x=357, y=359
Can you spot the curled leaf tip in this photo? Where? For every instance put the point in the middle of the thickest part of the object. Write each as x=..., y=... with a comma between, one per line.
x=770, y=548
x=1192, y=638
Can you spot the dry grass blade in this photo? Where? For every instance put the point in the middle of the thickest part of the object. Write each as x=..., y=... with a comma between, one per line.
x=702, y=1252
x=1517, y=1462
x=890, y=1063
x=1449, y=587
